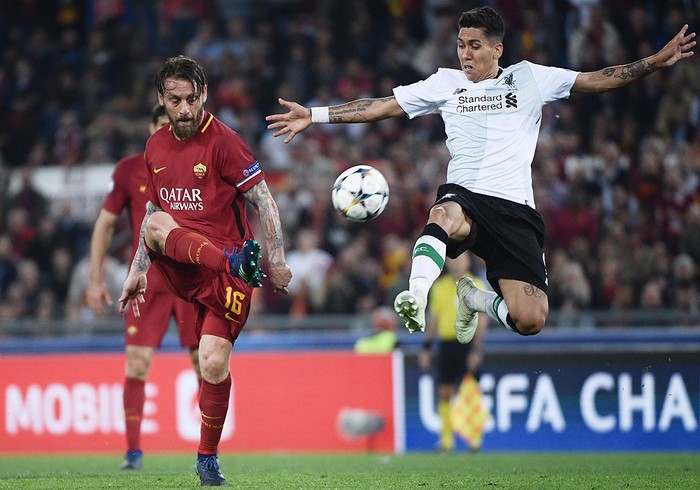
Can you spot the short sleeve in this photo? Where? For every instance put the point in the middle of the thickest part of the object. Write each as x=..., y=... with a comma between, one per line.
x=553, y=83
x=240, y=167
x=419, y=98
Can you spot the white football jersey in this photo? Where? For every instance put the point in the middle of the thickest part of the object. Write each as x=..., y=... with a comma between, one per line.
x=492, y=126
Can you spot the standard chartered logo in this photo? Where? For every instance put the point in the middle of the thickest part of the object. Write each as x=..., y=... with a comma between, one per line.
x=182, y=199
x=485, y=103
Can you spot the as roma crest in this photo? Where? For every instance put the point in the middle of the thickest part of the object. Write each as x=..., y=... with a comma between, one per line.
x=200, y=170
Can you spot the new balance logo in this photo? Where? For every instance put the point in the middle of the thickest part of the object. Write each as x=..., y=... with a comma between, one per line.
x=459, y=91
x=447, y=197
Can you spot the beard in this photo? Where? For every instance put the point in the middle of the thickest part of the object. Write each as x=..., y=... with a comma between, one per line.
x=186, y=129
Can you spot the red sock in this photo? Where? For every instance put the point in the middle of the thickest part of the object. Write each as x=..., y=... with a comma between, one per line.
x=213, y=402
x=134, y=398
x=190, y=247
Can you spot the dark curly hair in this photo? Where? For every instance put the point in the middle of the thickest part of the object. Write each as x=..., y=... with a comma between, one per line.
x=183, y=68
x=484, y=18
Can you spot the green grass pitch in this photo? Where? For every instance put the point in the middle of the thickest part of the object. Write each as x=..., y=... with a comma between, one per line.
x=365, y=471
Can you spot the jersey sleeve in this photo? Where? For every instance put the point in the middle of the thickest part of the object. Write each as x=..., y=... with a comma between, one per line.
x=239, y=165
x=418, y=99
x=118, y=194
x=553, y=83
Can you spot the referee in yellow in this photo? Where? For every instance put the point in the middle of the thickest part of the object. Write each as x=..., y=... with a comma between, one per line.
x=454, y=360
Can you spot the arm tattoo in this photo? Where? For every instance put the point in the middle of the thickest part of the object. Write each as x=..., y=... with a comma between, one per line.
x=637, y=69
x=141, y=260
x=355, y=111
x=259, y=196
x=534, y=291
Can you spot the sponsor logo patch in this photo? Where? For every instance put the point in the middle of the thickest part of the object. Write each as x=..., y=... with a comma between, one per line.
x=200, y=170
x=181, y=198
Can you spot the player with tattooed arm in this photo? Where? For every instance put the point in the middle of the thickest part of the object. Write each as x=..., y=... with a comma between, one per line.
x=492, y=117
x=201, y=175
x=141, y=335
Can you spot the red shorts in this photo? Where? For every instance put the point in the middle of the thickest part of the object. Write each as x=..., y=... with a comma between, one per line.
x=160, y=306
x=221, y=301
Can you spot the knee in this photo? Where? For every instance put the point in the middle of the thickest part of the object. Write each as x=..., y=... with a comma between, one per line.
x=441, y=217
x=451, y=219
x=158, y=226
x=213, y=367
x=137, y=366
x=530, y=322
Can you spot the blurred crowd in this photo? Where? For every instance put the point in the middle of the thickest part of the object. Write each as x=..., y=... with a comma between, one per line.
x=616, y=175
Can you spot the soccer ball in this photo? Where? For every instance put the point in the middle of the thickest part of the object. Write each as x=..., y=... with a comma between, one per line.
x=360, y=193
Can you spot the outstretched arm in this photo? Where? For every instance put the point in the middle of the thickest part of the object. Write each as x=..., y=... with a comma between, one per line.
x=361, y=110
x=614, y=77
x=280, y=274
x=135, y=284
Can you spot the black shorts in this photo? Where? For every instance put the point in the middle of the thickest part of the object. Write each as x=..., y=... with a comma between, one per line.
x=452, y=361
x=507, y=235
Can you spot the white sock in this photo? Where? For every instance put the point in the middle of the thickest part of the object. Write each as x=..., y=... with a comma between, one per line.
x=428, y=261
x=499, y=311
x=489, y=303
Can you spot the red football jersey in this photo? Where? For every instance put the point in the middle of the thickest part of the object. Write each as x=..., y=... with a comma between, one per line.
x=200, y=182
x=128, y=190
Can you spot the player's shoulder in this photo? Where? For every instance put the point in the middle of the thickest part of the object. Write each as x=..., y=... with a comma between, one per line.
x=520, y=66
x=524, y=73
x=158, y=139
x=215, y=126
x=535, y=69
x=129, y=164
x=449, y=74
x=448, y=71
x=222, y=138
x=443, y=82
x=130, y=160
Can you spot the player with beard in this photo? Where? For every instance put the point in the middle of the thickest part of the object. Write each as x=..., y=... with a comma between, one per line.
x=201, y=175
x=141, y=335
